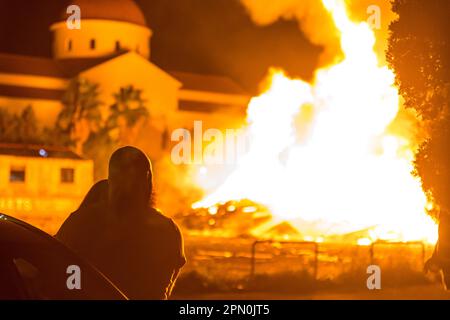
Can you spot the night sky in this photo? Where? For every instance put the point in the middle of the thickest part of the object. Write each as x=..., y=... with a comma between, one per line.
x=203, y=36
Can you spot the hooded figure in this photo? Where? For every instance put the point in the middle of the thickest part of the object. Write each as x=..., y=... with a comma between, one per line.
x=133, y=244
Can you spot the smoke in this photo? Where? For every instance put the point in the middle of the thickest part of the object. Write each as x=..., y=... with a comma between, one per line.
x=314, y=21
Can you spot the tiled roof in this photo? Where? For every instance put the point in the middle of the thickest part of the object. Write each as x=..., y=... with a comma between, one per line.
x=20, y=64
x=209, y=83
x=207, y=107
x=38, y=66
x=68, y=68
x=30, y=93
x=23, y=150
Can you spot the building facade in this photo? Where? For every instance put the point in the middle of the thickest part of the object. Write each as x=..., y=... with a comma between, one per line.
x=42, y=185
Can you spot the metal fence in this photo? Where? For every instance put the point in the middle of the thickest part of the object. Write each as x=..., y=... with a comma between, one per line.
x=315, y=245
x=410, y=243
x=315, y=250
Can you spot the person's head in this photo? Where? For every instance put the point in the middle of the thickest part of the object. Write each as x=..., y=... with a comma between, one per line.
x=97, y=193
x=129, y=179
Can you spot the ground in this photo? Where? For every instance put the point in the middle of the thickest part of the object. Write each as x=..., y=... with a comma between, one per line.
x=424, y=292
x=220, y=268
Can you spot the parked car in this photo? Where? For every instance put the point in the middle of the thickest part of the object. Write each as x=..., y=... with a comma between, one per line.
x=34, y=265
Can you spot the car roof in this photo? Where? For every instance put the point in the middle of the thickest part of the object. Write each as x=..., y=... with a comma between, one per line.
x=13, y=230
x=14, y=223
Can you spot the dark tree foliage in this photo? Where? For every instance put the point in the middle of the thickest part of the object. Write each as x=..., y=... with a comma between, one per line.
x=432, y=165
x=8, y=126
x=129, y=105
x=21, y=127
x=80, y=115
x=419, y=53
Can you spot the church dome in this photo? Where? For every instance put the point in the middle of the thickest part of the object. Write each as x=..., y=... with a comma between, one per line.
x=114, y=10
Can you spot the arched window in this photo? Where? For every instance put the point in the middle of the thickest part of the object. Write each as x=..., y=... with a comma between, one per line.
x=92, y=44
x=69, y=44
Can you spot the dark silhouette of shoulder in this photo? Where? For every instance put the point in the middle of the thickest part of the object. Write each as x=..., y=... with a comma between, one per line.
x=164, y=230
x=82, y=226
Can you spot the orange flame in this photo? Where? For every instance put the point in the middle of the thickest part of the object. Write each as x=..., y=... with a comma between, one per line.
x=320, y=153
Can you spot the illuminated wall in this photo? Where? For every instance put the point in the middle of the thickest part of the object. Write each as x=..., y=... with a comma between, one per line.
x=43, y=190
x=46, y=110
x=98, y=38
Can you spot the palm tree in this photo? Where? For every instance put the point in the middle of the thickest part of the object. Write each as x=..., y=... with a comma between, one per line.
x=127, y=116
x=28, y=131
x=80, y=115
x=8, y=126
x=21, y=128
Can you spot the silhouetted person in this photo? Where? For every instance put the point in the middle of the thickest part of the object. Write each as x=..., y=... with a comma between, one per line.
x=440, y=260
x=97, y=194
x=133, y=244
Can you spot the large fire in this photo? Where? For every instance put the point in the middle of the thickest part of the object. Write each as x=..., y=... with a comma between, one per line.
x=321, y=155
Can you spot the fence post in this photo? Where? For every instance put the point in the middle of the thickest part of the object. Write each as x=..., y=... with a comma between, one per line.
x=372, y=252
x=316, y=260
x=253, y=252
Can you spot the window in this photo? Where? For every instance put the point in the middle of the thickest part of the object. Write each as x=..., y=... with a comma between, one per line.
x=92, y=44
x=118, y=46
x=67, y=175
x=17, y=174
x=69, y=45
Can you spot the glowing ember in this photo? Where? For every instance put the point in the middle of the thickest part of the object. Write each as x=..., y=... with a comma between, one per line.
x=321, y=156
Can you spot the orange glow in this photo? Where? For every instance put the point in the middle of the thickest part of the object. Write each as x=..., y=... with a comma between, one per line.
x=321, y=156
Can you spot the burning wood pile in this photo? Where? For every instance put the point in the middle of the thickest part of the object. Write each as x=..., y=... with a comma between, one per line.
x=230, y=219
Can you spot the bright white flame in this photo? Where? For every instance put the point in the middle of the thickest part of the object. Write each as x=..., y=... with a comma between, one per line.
x=321, y=152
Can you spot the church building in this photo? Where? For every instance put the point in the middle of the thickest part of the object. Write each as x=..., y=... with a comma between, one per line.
x=112, y=49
